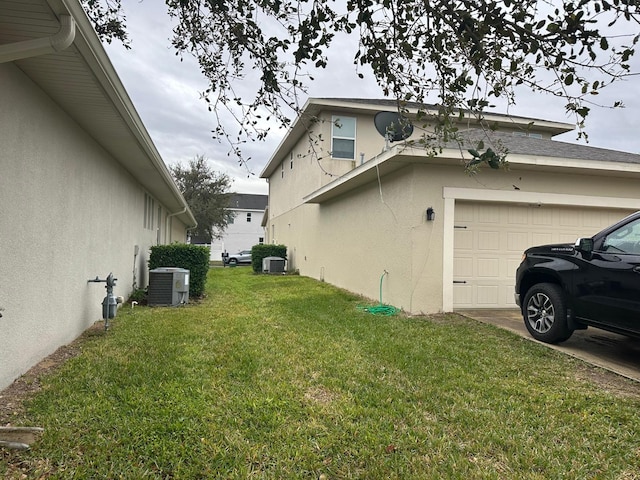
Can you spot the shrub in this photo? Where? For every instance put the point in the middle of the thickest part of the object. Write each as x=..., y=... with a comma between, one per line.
x=194, y=258
x=262, y=251
x=139, y=295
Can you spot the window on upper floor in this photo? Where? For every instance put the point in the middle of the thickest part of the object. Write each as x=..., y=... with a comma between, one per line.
x=343, y=137
x=248, y=217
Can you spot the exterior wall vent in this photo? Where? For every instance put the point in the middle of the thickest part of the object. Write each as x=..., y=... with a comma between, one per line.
x=168, y=286
x=273, y=265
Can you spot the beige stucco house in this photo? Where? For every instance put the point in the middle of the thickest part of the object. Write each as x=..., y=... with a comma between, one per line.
x=83, y=191
x=350, y=207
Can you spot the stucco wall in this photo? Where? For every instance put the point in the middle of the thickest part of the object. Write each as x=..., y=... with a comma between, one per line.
x=292, y=179
x=68, y=213
x=351, y=241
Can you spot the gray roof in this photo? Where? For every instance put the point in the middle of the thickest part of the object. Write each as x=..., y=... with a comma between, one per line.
x=547, y=148
x=248, y=201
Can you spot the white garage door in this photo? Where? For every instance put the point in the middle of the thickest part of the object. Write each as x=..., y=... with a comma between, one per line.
x=489, y=239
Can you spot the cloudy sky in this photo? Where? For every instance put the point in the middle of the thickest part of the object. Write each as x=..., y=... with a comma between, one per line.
x=166, y=93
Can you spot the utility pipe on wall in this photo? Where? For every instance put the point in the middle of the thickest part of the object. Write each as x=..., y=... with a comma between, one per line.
x=41, y=46
x=173, y=215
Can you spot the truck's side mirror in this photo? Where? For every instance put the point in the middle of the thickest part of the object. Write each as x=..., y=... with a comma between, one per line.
x=584, y=245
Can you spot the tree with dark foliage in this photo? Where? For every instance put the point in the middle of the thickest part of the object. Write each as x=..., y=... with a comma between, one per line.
x=207, y=194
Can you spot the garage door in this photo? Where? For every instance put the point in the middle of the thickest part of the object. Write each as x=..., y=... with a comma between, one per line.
x=489, y=239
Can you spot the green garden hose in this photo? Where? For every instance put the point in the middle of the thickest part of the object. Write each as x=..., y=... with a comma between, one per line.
x=381, y=309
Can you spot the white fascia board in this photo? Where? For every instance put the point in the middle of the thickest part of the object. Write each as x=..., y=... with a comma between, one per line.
x=544, y=161
x=486, y=117
x=246, y=210
x=573, y=163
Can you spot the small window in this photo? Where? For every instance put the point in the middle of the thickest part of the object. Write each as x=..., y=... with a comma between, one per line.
x=159, y=229
x=248, y=217
x=343, y=137
x=149, y=207
x=291, y=160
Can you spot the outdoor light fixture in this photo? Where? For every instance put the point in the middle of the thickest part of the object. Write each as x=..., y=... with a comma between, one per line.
x=431, y=214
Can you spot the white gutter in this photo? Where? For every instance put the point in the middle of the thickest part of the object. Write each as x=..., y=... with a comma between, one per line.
x=166, y=225
x=41, y=46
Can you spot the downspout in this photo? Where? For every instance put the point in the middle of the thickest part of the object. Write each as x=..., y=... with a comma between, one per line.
x=41, y=46
x=173, y=215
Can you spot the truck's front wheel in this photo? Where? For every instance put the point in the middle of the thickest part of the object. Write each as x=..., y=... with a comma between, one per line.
x=545, y=313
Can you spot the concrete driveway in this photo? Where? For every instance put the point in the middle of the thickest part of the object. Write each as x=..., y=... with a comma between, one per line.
x=610, y=351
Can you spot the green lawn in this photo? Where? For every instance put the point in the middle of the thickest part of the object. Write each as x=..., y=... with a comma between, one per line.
x=284, y=377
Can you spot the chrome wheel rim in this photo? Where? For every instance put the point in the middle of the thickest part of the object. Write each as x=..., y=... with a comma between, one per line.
x=540, y=313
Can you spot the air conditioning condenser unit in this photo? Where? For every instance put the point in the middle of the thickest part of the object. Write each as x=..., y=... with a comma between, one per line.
x=273, y=265
x=168, y=286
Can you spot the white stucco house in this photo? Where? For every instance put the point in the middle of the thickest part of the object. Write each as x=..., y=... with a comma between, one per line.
x=245, y=230
x=349, y=207
x=83, y=190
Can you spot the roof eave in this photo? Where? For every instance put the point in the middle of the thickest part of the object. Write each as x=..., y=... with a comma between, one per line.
x=400, y=157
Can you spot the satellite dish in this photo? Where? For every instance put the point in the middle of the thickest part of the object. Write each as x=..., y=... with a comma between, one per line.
x=393, y=126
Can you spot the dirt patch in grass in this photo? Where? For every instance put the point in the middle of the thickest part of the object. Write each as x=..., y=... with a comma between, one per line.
x=319, y=395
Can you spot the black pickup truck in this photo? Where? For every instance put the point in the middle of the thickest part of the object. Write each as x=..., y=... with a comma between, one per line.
x=596, y=282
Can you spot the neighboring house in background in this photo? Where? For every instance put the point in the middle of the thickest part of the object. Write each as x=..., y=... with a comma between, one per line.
x=245, y=230
x=350, y=208
x=83, y=190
